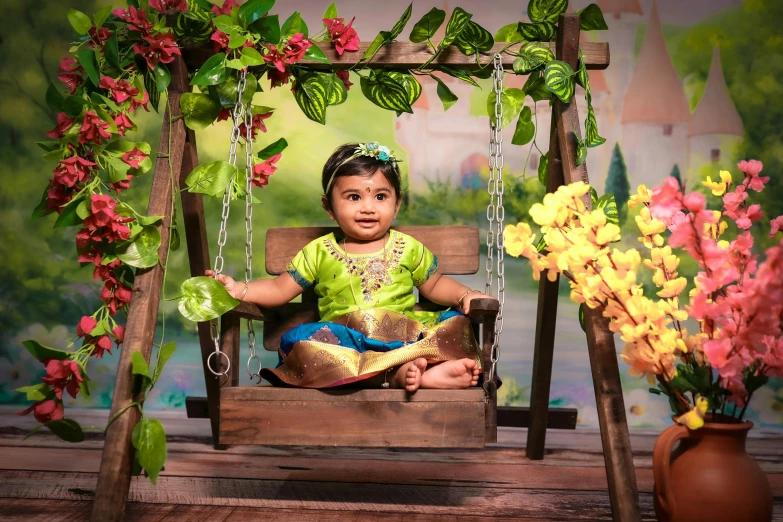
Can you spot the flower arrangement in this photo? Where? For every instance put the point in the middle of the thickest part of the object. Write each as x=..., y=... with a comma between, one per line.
x=736, y=301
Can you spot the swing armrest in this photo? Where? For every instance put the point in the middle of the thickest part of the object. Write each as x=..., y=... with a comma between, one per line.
x=249, y=311
x=483, y=310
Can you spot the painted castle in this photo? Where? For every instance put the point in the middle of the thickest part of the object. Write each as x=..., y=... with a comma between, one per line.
x=639, y=102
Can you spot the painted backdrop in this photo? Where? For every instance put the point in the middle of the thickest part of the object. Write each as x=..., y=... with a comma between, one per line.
x=693, y=86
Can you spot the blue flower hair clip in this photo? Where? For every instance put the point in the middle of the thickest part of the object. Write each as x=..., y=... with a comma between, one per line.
x=374, y=150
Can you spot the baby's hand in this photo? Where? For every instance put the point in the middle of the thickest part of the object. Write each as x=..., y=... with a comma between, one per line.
x=228, y=283
x=470, y=297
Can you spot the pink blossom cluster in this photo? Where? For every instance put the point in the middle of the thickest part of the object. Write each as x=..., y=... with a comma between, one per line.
x=737, y=300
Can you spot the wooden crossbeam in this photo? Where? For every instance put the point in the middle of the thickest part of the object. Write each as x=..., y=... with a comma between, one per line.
x=408, y=55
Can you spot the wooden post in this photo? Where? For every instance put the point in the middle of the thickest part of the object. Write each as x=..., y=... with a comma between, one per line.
x=615, y=439
x=546, y=319
x=117, y=460
x=198, y=254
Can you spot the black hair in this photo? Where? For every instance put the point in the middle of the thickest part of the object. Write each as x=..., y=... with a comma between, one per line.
x=340, y=165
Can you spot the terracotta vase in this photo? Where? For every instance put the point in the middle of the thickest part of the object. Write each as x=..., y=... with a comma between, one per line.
x=709, y=476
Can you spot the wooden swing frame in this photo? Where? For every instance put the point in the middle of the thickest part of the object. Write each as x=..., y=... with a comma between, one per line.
x=117, y=459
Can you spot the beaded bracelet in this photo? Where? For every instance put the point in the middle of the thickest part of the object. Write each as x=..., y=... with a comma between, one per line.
x=244, y=291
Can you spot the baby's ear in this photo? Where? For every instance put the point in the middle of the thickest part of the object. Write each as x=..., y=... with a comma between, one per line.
x=327, y=207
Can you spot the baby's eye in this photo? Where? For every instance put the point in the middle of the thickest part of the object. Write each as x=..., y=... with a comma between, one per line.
x=354, y=197
x=380, y=197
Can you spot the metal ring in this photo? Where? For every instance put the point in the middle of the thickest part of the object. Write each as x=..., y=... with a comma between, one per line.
x=249, y=360
x=228, y=364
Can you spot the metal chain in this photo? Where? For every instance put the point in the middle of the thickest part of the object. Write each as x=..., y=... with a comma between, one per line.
x=251, y=334
x=495, y=210
x=237, y=114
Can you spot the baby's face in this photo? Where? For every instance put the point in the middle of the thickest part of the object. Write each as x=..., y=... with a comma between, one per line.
x=364, y=206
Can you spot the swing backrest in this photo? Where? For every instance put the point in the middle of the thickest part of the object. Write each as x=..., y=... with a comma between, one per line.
x=456, y=247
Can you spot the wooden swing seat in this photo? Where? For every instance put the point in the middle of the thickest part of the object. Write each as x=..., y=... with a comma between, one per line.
x=272, y=415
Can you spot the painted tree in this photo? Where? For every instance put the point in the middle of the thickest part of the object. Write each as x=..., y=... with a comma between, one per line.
x=676, y=174
x=617, y=182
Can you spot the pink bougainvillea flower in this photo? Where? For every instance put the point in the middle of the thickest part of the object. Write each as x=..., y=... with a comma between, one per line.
x=223, y=115
x=86, y=325
x=296, y=47
x=63, y=375
x=94, y=129
x=98, y=37
x=115, y=295
x=72, y=170
x=344, y=37
x=119, y=334
x=45, y=411
x=258, y=124
x=63, y=124
x=169, y=5
x=775, y=226
x=136, y=19
x=133, y=157
x=57, y=197
x=345, y=77
x=102, y=209
x=219, y=41
x=262, y=171
x=161, y=49
x=106, y=272
x=123, y=123
x=142, y=101
x=123, y=184
x=70, y=74
x=121, y=90
x=102, y=344
x=277, y=78
x=91, y=255
x=225, y=9
x=275, y=58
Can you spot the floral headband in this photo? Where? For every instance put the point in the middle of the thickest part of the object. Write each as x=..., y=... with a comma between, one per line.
x=371, y=149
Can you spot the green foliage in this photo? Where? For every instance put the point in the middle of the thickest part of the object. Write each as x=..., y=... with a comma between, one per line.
x=149, y=440
x=513, y=100
x=591, y=19
x=559, y=80
x=474, y=39
x=531, y=56
x=203, y=298
x=525, y=129
x=426, y=27
x=385, y=92
x=617, y=182
x=211, y=178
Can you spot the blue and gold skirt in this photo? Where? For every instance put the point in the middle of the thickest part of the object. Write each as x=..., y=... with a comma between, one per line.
x=364, y=343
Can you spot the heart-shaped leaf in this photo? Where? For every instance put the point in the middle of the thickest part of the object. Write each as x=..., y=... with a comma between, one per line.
x=149, y=439
x=512, y=100
x=447, y=97
x=212, y=72
x=67, y=429
x=143, y=251
x=211, y=178
x=200, y=110
x=293, y=25
x=525, y=129
x=474, y=39
x=268, y=28
x=204, y=298
x=385, y=92
x=559, y=79
x=508, y=33
x=252, y=10
x=227, y=93
x=546, y=10
x=164, y=354
x=538, y=32
x=459, y=20
x=592, y=19
x=531, y=56
x=426, y=27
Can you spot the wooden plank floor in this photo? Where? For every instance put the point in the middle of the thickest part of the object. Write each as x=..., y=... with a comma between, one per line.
x=44, y=478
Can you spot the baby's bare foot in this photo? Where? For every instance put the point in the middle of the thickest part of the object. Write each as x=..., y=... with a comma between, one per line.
x=451, y=375
x=408, y=375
